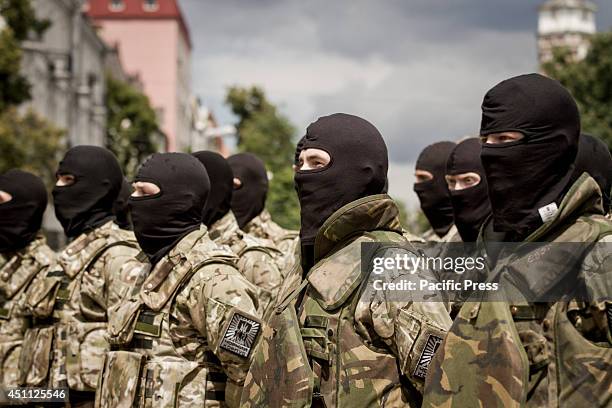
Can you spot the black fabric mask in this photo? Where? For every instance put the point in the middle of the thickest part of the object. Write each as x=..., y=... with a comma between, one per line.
x=120, y=207
x=594, y=158
x=21, y=217
x=433, y=194
x=358, y=168
x=88, y=202
x=530, y=174
x=249, y=200
x=163, y=219
x=470, y=205
x=221, y=185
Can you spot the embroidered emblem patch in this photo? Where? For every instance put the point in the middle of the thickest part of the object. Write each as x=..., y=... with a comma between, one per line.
x=432, y=344
x=240, y=335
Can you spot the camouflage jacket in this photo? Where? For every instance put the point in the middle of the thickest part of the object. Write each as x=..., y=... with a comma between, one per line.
x=18, y=271
x=69, y=304
x=498, y=354
x=285, y=240
x=184, y=334
x=347, y=346
x=452, y=235
x=258, y=259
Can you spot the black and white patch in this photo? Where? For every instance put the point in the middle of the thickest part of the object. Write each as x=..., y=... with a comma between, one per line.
x=432, y=344
x=240, y=335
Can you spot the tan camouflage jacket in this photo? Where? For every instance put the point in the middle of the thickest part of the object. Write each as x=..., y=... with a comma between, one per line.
x=259, y=260
x=70, y=306
x=498, y=354
x=17, y=272
x=183, y=336
x=363, y=348
x=285, y=240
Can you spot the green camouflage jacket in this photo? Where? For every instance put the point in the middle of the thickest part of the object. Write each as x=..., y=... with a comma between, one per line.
x=347, y=346
x=70, y=309
x=285, y=240
x=183, y=336
x=17, y=272
x=258, y=259
x=498, y=354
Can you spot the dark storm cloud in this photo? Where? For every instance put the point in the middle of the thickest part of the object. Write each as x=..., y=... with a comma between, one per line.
x=417, y=69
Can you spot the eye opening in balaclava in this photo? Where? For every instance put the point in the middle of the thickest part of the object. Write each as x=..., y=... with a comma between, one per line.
x=528, y=178
x=88, y=202
x=221, y=177
x=21, y=217
x=470, y=205
x=433, y=194
x=249, y=200
x=161, y=220
x=358, y=159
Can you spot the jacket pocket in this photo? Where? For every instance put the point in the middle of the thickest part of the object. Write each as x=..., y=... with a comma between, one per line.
x=35, y=358
x=118, y=385
x=85, y=349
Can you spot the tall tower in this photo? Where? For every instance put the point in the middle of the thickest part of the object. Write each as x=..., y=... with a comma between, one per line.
x=565, y=23
x=154, y=43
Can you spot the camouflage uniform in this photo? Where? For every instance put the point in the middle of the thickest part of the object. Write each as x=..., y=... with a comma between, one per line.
x=344, y=346
x=183, y=336
x=70, y=306
x=451, y=236
x=285, y=240
x=498, y=354
x=17, y=272
x=258, y=258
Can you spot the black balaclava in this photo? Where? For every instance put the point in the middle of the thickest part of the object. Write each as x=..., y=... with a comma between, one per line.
x=358, y=168
x=471, y=205
x=120, y=207
x=88, y=202
x=527, y=178
x=594, y=158
x=163, y=219
x=433, y=194
x=21, y=217
x=221, y=185
x=249, y=200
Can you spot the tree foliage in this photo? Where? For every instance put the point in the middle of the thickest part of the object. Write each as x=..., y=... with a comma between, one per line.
x=265, y=132
x=590, y=82
x=29, y=142
x=131, y=125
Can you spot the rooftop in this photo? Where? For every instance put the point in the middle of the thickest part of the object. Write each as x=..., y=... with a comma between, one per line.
x=568, y=4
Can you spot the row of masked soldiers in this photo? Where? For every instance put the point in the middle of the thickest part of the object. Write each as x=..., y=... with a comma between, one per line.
x=180, y=290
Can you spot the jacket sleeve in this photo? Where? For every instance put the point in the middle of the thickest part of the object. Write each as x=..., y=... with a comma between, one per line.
x=102, y=285
x=225, y=311
x=261, y=269
x=412, y=329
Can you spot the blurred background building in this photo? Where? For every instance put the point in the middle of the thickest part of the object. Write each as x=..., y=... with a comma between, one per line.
x=565, y=23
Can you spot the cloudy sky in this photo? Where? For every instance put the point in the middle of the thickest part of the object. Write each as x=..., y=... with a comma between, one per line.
x=417, y=69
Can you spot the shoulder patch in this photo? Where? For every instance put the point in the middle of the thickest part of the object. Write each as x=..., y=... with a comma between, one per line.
x=241, y=334
x=431, y=345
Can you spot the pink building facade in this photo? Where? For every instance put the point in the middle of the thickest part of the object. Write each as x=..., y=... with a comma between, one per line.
x=154, y=43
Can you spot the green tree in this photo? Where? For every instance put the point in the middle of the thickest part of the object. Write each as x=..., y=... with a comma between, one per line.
x=265, y=132
x=590, y=82
x=131, y=125
x=20, y=20
x=29, y=142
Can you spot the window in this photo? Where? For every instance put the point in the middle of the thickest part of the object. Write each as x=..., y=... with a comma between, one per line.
x=116, y=5
x=150, y=5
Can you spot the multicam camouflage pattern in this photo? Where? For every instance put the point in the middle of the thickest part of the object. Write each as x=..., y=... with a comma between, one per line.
x=357, y=343
x=17, y=272
x=531, y=354
x=259, y=260
x=285, y=240
x=169, y=333
x=451, y=236
x=69, y=304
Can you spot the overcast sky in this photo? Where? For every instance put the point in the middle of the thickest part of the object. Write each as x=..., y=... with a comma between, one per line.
x=417, y=69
